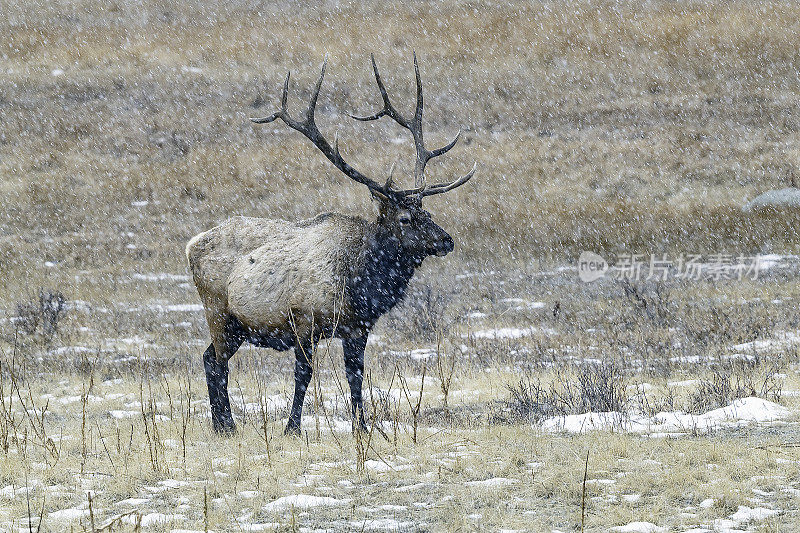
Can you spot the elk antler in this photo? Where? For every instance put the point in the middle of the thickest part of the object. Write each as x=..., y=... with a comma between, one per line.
x=308, y=127
x=415, y=127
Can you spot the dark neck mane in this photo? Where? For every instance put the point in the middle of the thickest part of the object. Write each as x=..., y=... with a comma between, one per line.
x=381, y=277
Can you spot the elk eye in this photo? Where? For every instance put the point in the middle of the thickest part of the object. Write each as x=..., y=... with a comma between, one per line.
x=405, y=220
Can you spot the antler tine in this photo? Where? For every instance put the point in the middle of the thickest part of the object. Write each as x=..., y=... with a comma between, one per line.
x=444, y=187
x=388, y=109
x=285, y=93
x=312, y=105
x=284, y=100
x=447, y=147
x=308, y=127
x=418, y=110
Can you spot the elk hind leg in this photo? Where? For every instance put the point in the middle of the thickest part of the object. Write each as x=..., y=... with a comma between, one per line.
x=215, y=362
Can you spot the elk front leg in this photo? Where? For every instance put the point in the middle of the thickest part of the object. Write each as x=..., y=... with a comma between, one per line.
x=302, y=377
x=354, y=370
x=217, y=381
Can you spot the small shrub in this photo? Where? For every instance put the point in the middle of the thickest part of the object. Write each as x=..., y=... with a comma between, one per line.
x=600, y=387
x=531, y=402
x=735, y=380
x=597, y=387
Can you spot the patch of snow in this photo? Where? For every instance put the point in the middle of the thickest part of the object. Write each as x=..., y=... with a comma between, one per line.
x=133, y=501
x=71, y=350
x=747, y=514
x=304, y=501
x=122, y=414
x=741, y=412
x=422, y=354
x=381, y=524
x=586, y=422
x=411, y=488
x=788, y=197
x=56, y=72
x=172, y=483
x=69, y=514
x=492, y=482
x=781, y=340
x=507, y=333
x=749, y=409
x=167, y=308
x=380, y=467
x=266, y=526
x=521, y=303
x=393, y=508
x=600, y=481
x=684, y=383
x=161, y=276
x=155, y=519
x=639, y=527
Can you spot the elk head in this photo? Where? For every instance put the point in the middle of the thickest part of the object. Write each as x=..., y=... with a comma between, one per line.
x=401, y=215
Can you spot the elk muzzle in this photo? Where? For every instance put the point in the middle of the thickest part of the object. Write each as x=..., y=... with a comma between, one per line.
x=444, y=246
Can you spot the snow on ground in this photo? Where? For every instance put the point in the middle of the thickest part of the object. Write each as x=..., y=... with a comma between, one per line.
x=741, y=412
x=161, y=276
x=154, y=520
x=492, y=482
x=780, y=340
x=521, y=304
x=639, y=527
x=304, y=501
x=69, y=514
x=743, y=515
x=747, y=514
x=508, y=333
x=381, y=524
x=167, y=308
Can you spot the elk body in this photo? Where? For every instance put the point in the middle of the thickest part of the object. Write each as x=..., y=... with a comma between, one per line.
x=285, y=285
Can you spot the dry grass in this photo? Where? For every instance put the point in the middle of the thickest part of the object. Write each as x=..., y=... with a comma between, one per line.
x=606, y=126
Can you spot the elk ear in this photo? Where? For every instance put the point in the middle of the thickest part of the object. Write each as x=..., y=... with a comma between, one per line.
x=380, y=196
x=385, y=203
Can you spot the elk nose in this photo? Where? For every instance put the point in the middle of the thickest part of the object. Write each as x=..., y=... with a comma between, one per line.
x=445, y=246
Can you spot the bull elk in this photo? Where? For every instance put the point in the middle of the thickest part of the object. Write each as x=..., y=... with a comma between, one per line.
x=284, y=285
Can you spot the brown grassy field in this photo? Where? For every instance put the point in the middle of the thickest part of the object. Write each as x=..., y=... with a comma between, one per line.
x=607, y=126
